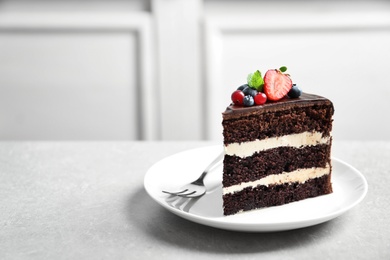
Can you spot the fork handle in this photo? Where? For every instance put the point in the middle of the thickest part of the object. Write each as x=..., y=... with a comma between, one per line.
x=212, y=164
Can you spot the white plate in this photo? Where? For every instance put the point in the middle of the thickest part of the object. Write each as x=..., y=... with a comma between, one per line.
x=349, y=188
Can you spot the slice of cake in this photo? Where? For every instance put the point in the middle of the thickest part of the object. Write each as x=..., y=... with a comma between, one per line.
x=276, y=152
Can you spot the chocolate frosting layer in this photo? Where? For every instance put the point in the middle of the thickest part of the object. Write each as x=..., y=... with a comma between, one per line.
x=234, y=111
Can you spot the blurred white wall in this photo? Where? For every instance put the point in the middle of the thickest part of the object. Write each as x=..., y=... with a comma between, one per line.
x=77, y=70
x=164, y=69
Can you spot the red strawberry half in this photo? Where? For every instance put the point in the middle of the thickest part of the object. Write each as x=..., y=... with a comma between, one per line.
x=276, y=84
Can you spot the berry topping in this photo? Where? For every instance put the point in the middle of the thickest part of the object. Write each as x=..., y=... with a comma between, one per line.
x=248, y=101
x=260, y=98
x=294, y=92
x=276, y=84
x=250, y=91
x=238, y=97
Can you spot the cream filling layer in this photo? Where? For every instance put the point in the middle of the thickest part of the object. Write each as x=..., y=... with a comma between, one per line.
x=293, y=140
x=300, y=176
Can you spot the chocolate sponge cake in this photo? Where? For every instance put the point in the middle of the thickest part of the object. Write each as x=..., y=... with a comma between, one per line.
x=277, y=152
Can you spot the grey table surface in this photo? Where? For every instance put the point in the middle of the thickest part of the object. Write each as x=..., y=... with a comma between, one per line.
x=86, y=200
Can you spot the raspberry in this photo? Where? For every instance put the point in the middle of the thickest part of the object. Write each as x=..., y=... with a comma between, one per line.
x=260, y=98
x=238, y=97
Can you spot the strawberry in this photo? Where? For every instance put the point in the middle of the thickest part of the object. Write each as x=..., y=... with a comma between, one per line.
x=276, y=84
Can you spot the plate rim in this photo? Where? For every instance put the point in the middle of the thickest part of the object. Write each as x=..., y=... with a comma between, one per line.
x=227, y=224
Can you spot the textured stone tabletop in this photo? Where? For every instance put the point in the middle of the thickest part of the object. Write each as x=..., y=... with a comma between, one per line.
x=85, y=200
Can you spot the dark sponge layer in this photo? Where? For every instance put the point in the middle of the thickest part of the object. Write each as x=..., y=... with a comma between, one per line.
x=274, y=195
x=273, y=161
x=278, y=123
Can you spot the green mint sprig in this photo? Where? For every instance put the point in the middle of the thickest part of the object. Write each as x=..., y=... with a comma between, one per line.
x=255, y=80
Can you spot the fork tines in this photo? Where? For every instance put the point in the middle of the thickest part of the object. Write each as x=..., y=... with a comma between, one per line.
x=182, y=193
x=181, y=203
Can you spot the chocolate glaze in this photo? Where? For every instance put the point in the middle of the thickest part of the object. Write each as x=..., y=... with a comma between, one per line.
x=234, y=111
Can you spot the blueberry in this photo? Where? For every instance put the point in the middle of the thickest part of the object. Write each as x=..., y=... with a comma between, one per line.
x=248, y=101
x=242, y=87
x=294, y=92
x=250, y=91
x=245, y=88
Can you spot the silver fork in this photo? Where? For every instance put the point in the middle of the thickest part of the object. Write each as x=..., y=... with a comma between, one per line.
x=196, y=188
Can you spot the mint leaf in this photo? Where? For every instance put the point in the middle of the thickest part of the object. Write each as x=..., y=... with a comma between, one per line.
x=255, y=80
x=248, y=79
x=283, y=69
